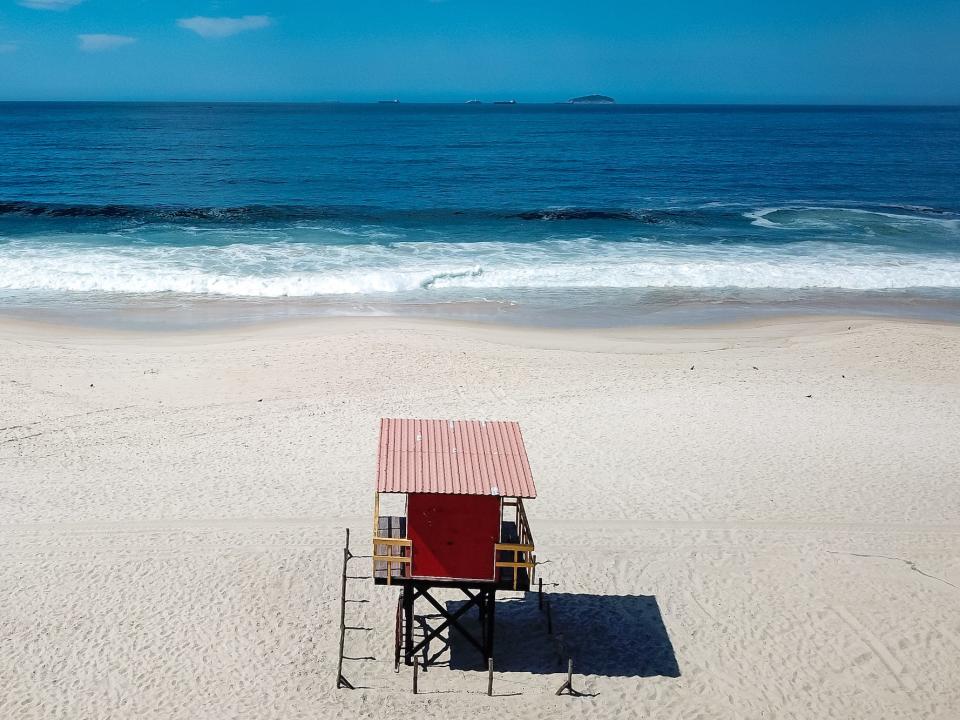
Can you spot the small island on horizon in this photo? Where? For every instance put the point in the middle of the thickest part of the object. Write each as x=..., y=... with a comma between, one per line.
x=592, y=100
x=580, y=100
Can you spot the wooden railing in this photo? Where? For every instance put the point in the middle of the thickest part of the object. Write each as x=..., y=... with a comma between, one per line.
x=526, y=537
x=521, y=557
x=520, y=552
x=392, y=555
x=397, y=553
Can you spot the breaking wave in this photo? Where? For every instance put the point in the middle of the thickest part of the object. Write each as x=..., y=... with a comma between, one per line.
x=710, y=213
x=283, y=268
x=865, y=220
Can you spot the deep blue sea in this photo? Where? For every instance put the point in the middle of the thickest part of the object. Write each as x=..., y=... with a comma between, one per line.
x=179, y=214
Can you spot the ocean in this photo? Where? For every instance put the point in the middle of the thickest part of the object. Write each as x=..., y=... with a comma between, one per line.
x=178, y=215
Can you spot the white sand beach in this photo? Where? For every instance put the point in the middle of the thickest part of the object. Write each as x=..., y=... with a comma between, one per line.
x=758, y=520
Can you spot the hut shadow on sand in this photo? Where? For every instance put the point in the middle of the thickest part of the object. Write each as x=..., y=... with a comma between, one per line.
x=606, y=635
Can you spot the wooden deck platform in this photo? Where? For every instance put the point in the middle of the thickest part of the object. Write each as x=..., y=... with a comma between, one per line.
x=392, y=532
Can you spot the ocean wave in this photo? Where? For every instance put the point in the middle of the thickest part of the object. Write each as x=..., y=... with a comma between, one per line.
x=890, y=218
x=303, y=213
x=305, y=270
x=709, y=215
x=238, y=214
x=582, y=214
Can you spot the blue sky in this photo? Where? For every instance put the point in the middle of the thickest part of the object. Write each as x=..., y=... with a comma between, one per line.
x=841, y=51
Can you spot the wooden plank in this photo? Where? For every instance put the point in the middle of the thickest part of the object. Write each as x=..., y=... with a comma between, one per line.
x=518, y=547
x=341, y=680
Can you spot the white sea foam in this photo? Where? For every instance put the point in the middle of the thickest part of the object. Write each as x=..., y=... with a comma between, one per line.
x=759, y=217
x=280, y=269
x=862, y=219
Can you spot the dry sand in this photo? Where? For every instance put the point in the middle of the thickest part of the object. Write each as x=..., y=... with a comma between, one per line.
x=754, y=521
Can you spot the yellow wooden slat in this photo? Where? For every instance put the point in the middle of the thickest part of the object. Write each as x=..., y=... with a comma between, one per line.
x=514, y=547
x=399, y=558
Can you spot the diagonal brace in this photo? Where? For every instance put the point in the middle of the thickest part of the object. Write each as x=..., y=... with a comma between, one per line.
x=450, y=620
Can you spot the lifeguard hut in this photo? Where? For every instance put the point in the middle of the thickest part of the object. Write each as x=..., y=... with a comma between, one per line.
x=464, y=527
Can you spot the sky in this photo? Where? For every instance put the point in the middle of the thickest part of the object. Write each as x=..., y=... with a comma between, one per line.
x=646, y=51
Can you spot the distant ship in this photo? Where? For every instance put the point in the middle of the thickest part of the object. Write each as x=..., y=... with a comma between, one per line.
x=505, y=102
x=388, y=102
x=473, y=102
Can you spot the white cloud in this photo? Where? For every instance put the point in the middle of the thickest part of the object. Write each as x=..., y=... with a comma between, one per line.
x=50, y=4
x=8, y=47
x=218, y=27
x=98, y=42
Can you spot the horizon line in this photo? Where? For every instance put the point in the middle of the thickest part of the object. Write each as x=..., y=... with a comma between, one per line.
x=499, y=103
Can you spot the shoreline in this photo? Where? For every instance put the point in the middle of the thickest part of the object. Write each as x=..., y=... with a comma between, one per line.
x=12, y=324
x=575, y=310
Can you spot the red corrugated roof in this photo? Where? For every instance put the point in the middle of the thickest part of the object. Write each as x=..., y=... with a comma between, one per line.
x=459, y=457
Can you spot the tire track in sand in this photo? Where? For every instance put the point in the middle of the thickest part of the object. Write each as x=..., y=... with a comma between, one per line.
x=894, y=666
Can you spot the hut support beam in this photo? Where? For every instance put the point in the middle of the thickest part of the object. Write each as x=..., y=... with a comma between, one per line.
x=485, y=601
x=408, y=599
